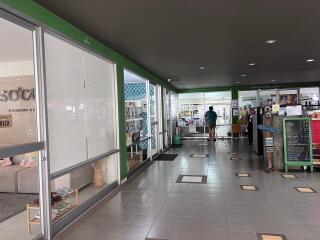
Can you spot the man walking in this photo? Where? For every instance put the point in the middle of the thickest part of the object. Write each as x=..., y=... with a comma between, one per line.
x=211, y=119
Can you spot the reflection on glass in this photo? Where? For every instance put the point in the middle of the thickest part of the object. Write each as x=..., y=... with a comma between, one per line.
x=72, y=189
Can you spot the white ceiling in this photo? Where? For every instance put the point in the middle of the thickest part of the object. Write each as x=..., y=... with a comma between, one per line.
x=15, y=42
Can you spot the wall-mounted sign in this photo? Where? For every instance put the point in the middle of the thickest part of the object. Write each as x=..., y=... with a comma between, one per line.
x=235, y=112
x=5, y=121
x=269, y=141
x=235, y=104
x=20, y=93
x=294, y=110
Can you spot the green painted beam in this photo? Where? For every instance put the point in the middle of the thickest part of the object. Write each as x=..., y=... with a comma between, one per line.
x=122, y=122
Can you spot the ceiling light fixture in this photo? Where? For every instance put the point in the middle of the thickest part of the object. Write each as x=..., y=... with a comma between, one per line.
x=310, y=60
x=237, y=82
x=273, y=80
x=201, y=68
x=271, y=41
x=169, y=79
x=243, y=75
x=252, y=64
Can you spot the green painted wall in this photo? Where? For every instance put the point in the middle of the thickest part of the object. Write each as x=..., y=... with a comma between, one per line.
x=43, y=17
x=122, y=120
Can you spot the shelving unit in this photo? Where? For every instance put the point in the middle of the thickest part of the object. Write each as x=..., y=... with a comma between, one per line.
x=32, y=208
x=133, y=116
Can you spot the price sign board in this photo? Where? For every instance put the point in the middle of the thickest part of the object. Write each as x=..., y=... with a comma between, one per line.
x=297, y=137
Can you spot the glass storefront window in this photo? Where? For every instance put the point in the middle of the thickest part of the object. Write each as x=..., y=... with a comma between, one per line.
x=247, y=100
x=19, y=165
x=17, y=86
x=192, y=109
x=71, y=190
x=267, y=97
x=136, y=119
x=221, y=103
x=19, y=196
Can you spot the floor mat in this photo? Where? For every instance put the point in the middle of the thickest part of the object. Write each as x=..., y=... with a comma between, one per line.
x=14, y=203
x=166, y=157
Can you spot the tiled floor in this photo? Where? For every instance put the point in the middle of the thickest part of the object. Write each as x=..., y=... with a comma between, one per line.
x=153, y=205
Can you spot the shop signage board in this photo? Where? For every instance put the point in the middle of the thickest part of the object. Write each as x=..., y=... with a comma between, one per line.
x=316, y=131
x=297, y=136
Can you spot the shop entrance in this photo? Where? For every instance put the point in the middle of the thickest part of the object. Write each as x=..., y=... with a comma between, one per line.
x=192, y=109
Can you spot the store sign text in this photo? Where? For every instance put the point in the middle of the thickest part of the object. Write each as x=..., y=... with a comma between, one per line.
x=17, y=94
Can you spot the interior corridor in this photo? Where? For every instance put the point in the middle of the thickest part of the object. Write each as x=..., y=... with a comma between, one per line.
x=154, y=206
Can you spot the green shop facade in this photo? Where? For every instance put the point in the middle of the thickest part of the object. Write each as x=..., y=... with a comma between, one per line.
x=89, y=117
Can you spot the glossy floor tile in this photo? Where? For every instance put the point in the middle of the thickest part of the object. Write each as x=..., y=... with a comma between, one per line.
x=153, y=205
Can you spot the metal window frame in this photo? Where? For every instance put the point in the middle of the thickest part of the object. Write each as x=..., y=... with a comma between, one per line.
x=73, y=215
x=15, y=18
x=79, y=165
x=38, y=29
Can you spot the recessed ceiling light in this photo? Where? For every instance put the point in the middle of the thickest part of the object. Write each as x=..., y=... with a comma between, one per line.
x=169, y=79
x=273, y=80
x=243, y=75
x=237, y=82
x=252, y=64
x=310, y=60
x=201, y=68
x=270, y=41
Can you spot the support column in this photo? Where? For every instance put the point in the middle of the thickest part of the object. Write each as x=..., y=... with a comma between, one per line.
x=121, y=124
x=235, y=108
